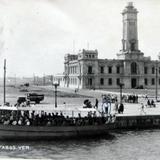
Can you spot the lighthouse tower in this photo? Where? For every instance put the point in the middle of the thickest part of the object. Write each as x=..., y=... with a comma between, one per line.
x=130, y=33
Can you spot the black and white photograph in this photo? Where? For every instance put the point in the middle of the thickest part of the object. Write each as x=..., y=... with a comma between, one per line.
x=80, y=79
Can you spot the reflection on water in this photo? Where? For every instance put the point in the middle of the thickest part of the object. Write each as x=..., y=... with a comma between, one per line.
x=122, y=146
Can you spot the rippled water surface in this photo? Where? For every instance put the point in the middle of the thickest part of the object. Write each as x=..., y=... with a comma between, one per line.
x=142, y=145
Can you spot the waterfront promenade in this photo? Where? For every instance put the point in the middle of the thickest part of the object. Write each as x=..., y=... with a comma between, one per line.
x=129, y=108
x=77, y=103
x=71, y=99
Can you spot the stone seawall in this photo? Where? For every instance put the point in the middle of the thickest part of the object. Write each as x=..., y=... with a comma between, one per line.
x=137, y=122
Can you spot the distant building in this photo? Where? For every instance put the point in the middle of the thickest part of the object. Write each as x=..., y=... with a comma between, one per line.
x=85, y=70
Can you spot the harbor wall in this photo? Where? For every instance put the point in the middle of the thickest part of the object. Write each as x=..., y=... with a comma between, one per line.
x=137, y=122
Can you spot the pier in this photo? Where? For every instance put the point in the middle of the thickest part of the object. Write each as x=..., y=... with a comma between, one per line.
x=137, y=122
x=133, y=118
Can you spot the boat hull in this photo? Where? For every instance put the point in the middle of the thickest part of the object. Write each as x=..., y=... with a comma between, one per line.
x=10, y=132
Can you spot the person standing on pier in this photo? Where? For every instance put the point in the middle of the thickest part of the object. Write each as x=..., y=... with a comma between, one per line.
x=149, y=103
x=116, y=106
x=152, y=103
x=121, y=108
x=105, y=104
x=142, y=109
x=96, y=104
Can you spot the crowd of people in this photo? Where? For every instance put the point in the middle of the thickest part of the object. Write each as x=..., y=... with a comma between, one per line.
x=51, y=119
x=107, y=104
x=130, y=98
x=151, y=103
x=110, y=97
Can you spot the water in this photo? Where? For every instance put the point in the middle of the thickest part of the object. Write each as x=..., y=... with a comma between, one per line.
x=131, y=145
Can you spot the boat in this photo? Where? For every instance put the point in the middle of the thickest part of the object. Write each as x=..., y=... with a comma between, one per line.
x=10, y=132
x=44, y=132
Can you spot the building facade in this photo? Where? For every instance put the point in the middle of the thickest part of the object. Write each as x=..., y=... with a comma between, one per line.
x=132, y=68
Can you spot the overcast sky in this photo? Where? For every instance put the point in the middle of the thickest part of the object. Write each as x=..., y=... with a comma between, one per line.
x=36, y=34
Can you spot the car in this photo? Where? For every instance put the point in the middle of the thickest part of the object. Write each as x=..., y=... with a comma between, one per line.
x=21, y=100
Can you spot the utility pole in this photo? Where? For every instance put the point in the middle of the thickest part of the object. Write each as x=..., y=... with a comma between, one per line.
x=55, y=91
x=4, y=83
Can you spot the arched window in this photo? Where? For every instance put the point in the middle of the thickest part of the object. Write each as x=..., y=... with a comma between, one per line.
x=132, y=46
x=133, y=68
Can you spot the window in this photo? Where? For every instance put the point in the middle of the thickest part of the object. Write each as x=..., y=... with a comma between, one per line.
x=102, y=69
x=70, y=70
x=118, y=69
x=90, y=81
x=146, y=81
x=102, y=81
x=132, y=46
x=73, y=80
x=159, y=81
x=133, y=68
x=89, y=69
x=110, y=81
x=118, y=81
x=153, y=81
x=145, y=70
x=109, y=69
x=73, y=70
x=159, y=70
x=153, y=70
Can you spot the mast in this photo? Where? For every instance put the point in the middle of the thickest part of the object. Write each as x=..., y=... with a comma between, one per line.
x=156, y=81
x=4, y=82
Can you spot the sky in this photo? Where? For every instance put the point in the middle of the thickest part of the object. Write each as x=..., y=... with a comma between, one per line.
x=36, y=34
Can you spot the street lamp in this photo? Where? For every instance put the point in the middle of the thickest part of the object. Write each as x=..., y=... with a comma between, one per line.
x=121, y=86
x=55, y=84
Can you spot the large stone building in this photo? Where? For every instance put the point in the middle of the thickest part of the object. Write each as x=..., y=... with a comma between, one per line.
x=85, y=70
